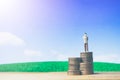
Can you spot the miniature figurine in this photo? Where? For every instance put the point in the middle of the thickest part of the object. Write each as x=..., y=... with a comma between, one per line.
x=85, y=39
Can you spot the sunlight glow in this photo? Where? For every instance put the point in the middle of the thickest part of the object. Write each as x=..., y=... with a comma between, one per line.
x=6, y=3
x=6, y=6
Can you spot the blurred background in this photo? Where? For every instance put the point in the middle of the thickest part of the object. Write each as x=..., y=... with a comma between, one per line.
x=52, y=30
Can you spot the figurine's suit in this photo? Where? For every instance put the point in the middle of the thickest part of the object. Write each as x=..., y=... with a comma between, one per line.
x=85, y=39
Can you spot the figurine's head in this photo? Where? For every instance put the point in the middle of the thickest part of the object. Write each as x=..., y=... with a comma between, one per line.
x=85, y=33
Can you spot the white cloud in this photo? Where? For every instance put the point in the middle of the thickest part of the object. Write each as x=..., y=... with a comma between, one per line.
x=7, y=38
x=114, y=58
x=29, y=52
x=62, y=57
x=58, y=56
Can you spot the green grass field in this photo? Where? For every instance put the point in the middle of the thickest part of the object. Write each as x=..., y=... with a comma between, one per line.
x=53, y=66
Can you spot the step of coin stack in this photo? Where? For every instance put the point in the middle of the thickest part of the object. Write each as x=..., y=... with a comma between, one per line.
x=74, y=65
x=86, y=65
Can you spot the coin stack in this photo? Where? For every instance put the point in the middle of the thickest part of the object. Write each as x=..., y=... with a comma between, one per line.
x=74, y=65
x=86, y=64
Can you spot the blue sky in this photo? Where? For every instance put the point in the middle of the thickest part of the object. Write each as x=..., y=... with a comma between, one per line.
x=52, y=30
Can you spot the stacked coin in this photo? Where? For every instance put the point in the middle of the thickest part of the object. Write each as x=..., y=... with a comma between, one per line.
x=86, y=65
x=86, y=68
x=86, y=57
x=74, y=65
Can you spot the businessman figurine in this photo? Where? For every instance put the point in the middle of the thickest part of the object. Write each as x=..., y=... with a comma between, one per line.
x=85, y=39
